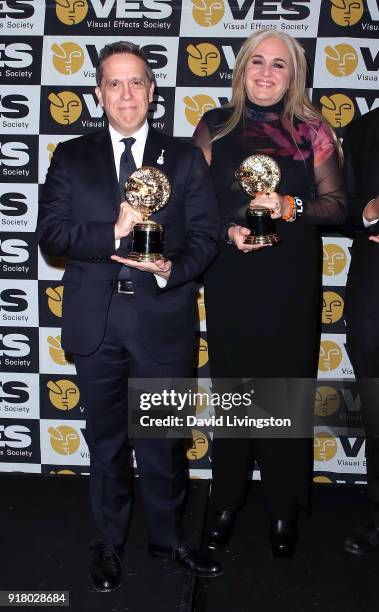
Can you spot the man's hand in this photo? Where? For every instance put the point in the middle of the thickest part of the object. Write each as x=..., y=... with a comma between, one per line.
x=160, y=267
x=127, y=218
x=374, y=238
x=237, y=234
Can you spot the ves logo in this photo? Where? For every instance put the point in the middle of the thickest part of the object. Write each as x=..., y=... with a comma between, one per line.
x=54, y=300
x=346, y=12
x=196, y=106
x=65, y=107
x=341, y=60
x=68, y=57
x=63, y=394
x=203, y=59
x=338, y=109
x=71, y=12
x=64, y=439
x=208, y=12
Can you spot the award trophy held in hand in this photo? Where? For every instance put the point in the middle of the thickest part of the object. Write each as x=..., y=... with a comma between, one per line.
x=256, y=175
x=148, y=190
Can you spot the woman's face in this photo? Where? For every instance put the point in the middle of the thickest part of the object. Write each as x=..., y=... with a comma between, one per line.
x=268, y=72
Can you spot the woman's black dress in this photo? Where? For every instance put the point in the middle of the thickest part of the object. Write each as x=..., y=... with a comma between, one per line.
x=263, y=308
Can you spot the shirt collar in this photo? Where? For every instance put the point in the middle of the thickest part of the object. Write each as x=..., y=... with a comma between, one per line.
x=140, y=135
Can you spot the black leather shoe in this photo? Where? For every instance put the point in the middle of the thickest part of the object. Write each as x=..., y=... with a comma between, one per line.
x=365, y=540
x=106, y=566
x=193, y=560
x=220, y=529
x=283, y=535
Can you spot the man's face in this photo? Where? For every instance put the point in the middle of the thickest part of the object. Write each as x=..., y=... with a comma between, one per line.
x=125, y=92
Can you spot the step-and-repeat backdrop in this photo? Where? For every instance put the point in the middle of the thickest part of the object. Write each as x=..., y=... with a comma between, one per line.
x=48, y=54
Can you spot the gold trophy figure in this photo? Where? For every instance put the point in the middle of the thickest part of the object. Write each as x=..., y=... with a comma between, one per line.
x=148, y=190
x=256, y=175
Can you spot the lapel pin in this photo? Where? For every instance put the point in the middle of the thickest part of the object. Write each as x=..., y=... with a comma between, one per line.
x=160, y=159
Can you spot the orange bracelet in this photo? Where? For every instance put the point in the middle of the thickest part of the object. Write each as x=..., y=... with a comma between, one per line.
x=291, y=215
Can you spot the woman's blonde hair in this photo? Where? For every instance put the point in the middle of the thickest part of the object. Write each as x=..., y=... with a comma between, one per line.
x=296, y=100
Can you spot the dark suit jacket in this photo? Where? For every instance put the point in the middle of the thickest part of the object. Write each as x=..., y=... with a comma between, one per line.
x=361, y=149
x=78, y=210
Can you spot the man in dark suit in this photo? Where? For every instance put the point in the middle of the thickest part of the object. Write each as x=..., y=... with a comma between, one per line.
x=361, y=149
x=123, y=318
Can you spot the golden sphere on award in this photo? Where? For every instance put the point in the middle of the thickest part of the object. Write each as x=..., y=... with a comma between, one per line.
x=147, y=190
x=259, y=174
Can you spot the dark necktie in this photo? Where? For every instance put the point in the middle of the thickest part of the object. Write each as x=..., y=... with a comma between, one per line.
x=127, y=166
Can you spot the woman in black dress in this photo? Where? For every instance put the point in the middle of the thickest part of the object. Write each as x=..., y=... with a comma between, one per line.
x=263, y=304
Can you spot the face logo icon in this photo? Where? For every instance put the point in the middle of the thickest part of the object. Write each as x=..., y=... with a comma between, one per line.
x=334, y=259
x=203, y=59
x=202, y=357
x=332, y=307
x=325, y=446
x=63, y=394
x=65, y=107
x=68, y=57
x=330, y=356
x=327, y=401
x=64, y=439
x=199, y=446
x=338, y=109
x=208, y=12
x=56, y=352
x=54, y=301
x=346, y=12
x=341, y=60
x=71, y=12
x=196, y=107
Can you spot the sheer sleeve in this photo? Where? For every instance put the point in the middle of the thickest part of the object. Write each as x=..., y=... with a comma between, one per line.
x=329, y=206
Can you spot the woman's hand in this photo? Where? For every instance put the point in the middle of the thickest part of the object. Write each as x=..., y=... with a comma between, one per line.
x=237, y=234
x=278, y=204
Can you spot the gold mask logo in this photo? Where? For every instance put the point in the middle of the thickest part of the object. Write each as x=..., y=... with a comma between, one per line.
x=203, y=59
x=330, y=356
x=201, y=305
x=64, y=439
x=332, y=307
x=338, y=109
x=196, y=107
x=54, y=300
x=322, y=480
x=64, y=472
x=71, y=12
x=346, y=12
x=65, y=107
x=341, y=60
x=63, y=394
x=50, y=150
x=325, y=446
x=56, y=352
x=334, y=259
x=68, y=57
x=208, y=12
x=202, y=355
x=327, y=401
x=199, y=447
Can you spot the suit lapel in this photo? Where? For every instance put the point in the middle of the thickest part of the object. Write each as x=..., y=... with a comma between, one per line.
x=153, y=149
x=102, y=165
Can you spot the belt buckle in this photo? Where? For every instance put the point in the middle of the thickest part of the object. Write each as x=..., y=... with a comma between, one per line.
x=128, y=290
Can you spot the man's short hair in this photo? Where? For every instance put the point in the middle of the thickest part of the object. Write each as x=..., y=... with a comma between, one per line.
x=122, y=47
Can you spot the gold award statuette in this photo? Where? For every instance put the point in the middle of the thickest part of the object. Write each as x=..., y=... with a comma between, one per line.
x=148, y=190
x=256, y=175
